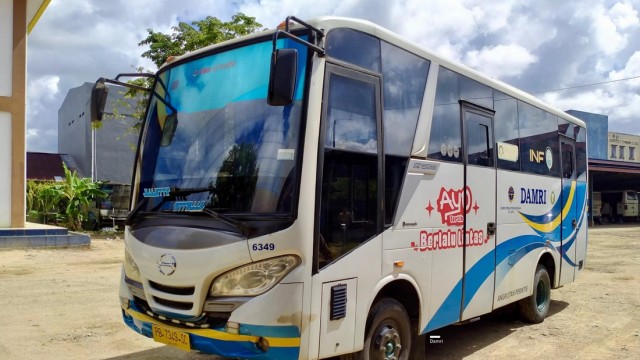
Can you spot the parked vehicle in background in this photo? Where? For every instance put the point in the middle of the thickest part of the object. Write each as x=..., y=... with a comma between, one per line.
x=596, y=206
x=619, y=206
x=111, y=211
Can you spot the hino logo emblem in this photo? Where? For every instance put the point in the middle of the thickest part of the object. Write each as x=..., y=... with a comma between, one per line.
x=167, y=264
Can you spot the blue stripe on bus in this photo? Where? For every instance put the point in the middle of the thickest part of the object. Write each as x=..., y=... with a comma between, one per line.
x=231, y=349
x=506, y=258
x=449, y=311
x=280, y=331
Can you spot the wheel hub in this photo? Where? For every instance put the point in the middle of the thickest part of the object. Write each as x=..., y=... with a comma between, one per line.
x=541, y=296
x=388, y=343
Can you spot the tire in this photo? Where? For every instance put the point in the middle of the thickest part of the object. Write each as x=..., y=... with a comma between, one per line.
x=535, y=308
x=389, y=335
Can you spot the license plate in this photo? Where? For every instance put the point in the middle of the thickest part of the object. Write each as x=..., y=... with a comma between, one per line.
x=171, y=337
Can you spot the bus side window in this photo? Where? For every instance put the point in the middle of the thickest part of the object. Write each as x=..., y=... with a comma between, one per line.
x=567, y=164
x=445, y=142
x=348, y=210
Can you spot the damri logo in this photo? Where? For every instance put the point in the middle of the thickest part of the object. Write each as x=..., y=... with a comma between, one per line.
x=533, y=196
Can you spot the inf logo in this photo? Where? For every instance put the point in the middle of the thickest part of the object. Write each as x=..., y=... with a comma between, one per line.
x=512, y=193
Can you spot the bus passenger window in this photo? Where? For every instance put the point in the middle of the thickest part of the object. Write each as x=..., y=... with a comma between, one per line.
x=348, y=205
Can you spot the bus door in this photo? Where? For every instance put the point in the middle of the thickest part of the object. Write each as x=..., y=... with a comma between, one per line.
x=569, y=210
x=480, y=203
x=348, y=204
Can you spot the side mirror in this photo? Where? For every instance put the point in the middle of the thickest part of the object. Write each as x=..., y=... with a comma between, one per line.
x=169, y=129
x=99, y=95
x=282, y=79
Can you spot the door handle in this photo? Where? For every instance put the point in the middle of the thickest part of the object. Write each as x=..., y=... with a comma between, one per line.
x=491, y=228
x=574, y=223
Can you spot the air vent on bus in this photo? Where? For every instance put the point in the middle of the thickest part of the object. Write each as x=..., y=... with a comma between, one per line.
x=179, y=305
x=175, y=290
x=338, y=302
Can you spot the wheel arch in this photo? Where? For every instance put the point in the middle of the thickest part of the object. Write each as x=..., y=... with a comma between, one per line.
x=403, y=289
x=549, y=262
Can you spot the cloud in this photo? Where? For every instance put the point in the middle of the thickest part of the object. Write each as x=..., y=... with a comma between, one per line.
x=534, y=45
x=45, y=87
x=624, y=16
x=78, y=41
x=501, y=61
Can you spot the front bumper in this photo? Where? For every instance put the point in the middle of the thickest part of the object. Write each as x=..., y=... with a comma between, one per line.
x=283, y=341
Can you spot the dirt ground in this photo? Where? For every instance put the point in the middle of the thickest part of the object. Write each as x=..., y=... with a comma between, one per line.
x=63, y=304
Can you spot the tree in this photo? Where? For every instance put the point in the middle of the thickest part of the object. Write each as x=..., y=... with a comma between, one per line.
x=75, y=194
x=236, y=190
x=185, y=38
x=198, y=34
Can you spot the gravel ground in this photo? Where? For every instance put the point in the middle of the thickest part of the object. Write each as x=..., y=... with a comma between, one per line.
x=63, y=304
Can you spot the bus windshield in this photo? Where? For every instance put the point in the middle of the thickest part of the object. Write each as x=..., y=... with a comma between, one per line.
x=214, y=143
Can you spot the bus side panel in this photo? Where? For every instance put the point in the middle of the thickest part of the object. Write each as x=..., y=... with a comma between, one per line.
x=478, y=288
x=433, y=204
x=528, y=223
x=581, y=240
x=575, y=240
x=417, y=266
x=360, y=271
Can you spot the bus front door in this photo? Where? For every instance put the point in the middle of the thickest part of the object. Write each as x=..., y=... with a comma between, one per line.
x=480, y=202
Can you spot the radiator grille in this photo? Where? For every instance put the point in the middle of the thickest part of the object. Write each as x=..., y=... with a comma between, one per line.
x=180, y=305
x=175, y=290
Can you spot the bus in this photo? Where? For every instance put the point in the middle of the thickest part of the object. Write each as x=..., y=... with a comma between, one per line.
x=596, y=206
x=619, y=206
x=328, y=188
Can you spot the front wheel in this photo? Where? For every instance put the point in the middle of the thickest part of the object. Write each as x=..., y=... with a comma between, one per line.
x=388, y=333
x=536, y=307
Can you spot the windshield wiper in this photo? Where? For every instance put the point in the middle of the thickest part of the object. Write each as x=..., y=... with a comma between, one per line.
x=178, y=192
x=244, y=228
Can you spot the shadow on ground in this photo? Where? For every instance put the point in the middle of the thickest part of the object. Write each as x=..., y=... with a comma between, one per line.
x=461, y=341
x=458, y=341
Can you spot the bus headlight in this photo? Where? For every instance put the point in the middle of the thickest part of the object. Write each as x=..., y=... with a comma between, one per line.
x=131, y=269
x=255, y=278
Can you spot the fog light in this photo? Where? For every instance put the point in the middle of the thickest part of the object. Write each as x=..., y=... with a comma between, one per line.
x=124, y=303
x=232, y=327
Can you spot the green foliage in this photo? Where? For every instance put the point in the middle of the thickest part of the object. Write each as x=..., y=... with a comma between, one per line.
x=185, y=37
x=236, y=191
x=198, y=34
x=76, y=193
x=47, y=199
x=131, y=105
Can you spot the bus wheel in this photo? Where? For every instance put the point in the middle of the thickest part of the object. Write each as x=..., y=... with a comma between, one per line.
x=389, y=332
x=536, y=307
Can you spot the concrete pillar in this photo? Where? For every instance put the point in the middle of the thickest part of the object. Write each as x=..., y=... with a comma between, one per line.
x=13, y=54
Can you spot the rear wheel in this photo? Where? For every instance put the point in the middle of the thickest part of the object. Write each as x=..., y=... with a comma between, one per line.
x=536, y=307
x=388, y=335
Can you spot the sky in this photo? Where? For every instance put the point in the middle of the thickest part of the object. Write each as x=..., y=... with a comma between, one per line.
x=535, y=45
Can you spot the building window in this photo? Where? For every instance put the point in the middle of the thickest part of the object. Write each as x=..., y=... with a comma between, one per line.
x=622, y=152
x=613, y=151
x=632, y=154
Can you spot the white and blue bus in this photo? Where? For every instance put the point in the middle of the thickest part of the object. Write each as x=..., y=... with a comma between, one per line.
x=332, y=189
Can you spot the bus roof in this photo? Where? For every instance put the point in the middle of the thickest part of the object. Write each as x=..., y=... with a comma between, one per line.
x=328, y=23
